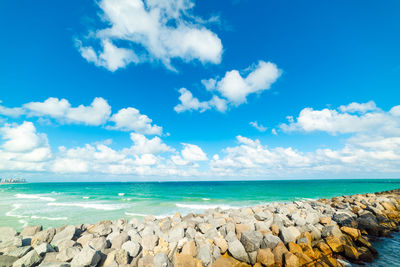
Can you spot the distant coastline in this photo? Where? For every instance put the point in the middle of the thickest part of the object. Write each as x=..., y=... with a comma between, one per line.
x=12, y=181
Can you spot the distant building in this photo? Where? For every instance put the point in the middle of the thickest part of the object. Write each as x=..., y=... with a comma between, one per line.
x=12, y=181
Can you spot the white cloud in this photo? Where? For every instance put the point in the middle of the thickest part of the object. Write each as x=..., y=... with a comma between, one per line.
x=10, y=112
x=154, y=30
x=233, y=88
x=130, y=119
x=97, y=113
x=190, y=103
x=334, y=122
x=189, y=155
x=24, y=148
x=143, y=146
x=259, y=127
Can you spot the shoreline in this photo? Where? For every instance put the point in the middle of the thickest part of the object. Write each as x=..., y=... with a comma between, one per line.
x=322, y=232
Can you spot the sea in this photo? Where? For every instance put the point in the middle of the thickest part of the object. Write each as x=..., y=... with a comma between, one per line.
x=56, y=204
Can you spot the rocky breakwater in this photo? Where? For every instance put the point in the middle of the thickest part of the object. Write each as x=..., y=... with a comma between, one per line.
x=301, y=233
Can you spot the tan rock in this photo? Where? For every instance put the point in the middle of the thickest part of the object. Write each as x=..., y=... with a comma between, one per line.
x=325, y=220
x=275, y=229
x=185, y=260
x=293, y=247
x=84, y=239
x=266, y=257
x=303, y=258
x=334, y=243
x=351, y=252
x=228, y=262
x=353, y=232
x=189, y=248
x=278, y=252
x=241, y=228
x=221, y=243
x=388, y=206
x=291, y=260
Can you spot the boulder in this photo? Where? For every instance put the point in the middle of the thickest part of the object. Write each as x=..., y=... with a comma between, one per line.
x=176, y=234
x=149, y=242
x=31, y=230
x=204, y=254
x=45, y=236
x=121, y=256
x=161, y=260
x=85, y=239
x=68, y=254
x=87, y=257
x=18, y=252
x=289, y=234
x=266, y=257
x=55, y=264
x=44, y=248
x=189, y=248
x=65, y=244
x=7, y=233
x=334, y=243
x=184, y=260
x=291, y=260
x=331, y=230
x=278, y=252
x=30, y=259
x=251, y=240
x=369, y=223
x=270, y=241
x=67, y=234
x=352, y=232
x=7, y=261
x=237, y=250
x=132, y=247
x=241, y=228
x=263, y=215
x=351, y=252
x=102, y=228
x=120, y=239
x=221, y=243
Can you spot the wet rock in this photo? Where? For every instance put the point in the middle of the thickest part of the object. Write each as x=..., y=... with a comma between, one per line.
x=351, y=252
x=30, y=259
x=369, y=223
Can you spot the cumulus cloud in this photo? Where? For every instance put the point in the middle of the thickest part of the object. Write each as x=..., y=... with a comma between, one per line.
x=344, y=120
x=143, y=145
x=130, y=119
x=189, y=155
x=23, y=148
x=232, y=89
x=147, y=30
x=97, y=113
x=259, y=127
x=190, y=103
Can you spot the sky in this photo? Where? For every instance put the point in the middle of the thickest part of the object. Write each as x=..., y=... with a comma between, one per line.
x=125, y=90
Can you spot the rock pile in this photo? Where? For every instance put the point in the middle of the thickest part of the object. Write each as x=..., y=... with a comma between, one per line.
x=301, y=233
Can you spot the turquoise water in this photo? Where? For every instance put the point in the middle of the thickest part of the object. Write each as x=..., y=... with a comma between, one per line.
x=55, y=204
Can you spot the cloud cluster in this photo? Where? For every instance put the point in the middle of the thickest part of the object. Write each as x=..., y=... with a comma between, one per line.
x=232, y=89
x=137, y=31
x=98, y=113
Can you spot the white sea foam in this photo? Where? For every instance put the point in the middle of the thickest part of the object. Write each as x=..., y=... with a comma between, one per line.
x=205, y=199
x=33, y=196
x=96, y=206
x=11, y=213
x=49, y=218
x=23, y=222
x=85, y=197
x=121, y=194
x=144, y=215
x=203, y=206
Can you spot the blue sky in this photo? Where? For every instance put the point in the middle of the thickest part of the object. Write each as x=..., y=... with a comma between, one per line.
x=309, y=54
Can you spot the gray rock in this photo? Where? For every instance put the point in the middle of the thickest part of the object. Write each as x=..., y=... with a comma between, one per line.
x=132, y=247
x=343, y=219
x=68, y=254
x=204, y=254
x=7, y=233
x=253, y=257
x=289, y=234
x=30, y=259
x=237, y=251
x=121, y=256
x=99, y=243
x=67, y=234
x=45, y=236
x=13, y=242
x=44, y=248
x=7, y=261
x=312, y=218
x=270, y=241
x=161, y=260
x=211, y=234
x=65, y=244
x=176, y=234
x=19, y=252
x=331, y=230
x=87, y=257
x=55, y=264
x=117, y=241
x=298, y=220
x=369, y=223
x=231, y=236
x=264, y=215
x=149, y=242
x=31, y=230
x=251, y=240
x=101, y=229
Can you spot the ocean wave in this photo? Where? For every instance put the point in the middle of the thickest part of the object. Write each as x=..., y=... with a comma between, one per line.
x=85, y=197
x=49, y=218
x=95, y=206
x=23, y=222
x=205, y=199
x=33, y=196
x=11, y=213
x=144, y=215
x=203, y=206
x=121, y=194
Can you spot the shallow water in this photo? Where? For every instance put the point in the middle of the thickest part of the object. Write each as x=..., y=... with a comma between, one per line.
x=55, y=204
